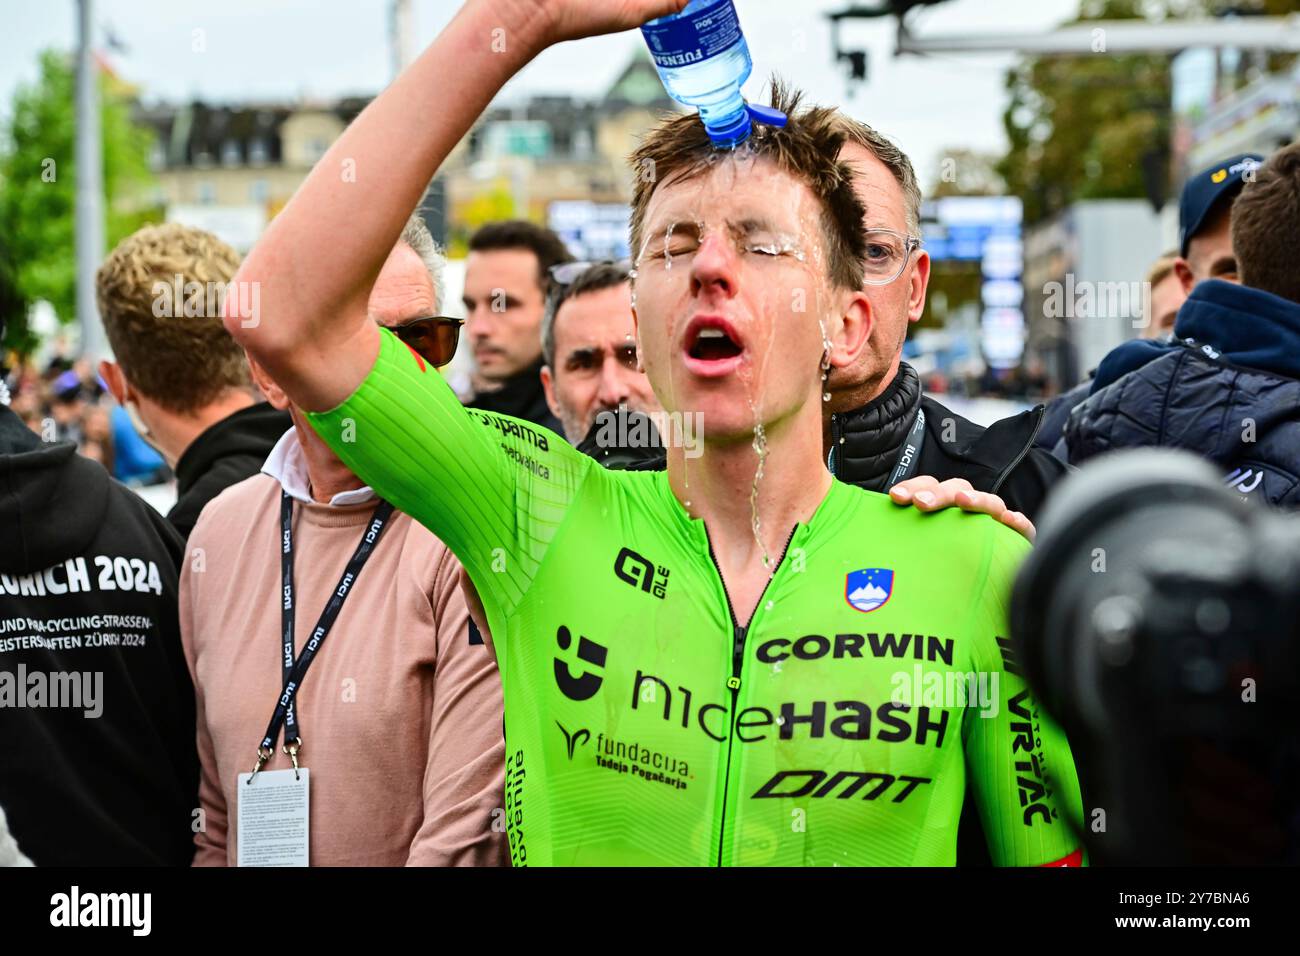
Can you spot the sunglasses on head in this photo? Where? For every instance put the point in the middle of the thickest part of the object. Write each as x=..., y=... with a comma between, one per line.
x=433, y=338
x=566, y=273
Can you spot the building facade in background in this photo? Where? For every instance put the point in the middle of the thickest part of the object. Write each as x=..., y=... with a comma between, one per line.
x=1084, y=282
x=231, y=168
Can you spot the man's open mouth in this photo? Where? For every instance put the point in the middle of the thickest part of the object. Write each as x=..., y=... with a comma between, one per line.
x=712, y=345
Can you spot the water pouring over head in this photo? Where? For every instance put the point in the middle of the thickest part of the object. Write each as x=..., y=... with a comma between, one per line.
x=749, y=270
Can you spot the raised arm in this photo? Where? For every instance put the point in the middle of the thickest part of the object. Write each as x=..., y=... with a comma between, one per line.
x=300, y=302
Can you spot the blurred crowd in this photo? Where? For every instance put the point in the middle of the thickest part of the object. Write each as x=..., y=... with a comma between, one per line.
x=63, y=399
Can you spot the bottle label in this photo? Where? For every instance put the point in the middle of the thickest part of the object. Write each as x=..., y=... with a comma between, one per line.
x=692, y=38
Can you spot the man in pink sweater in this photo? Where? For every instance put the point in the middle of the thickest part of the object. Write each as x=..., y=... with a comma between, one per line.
x=399, y=722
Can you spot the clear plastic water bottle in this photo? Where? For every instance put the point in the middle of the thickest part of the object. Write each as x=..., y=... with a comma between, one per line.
x=703, y=60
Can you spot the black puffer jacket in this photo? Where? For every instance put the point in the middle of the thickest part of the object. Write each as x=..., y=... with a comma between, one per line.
x=1002, y=459
x=1235, y=402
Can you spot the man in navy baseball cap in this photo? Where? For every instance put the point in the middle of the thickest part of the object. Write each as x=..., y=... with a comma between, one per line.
x=1204, y=218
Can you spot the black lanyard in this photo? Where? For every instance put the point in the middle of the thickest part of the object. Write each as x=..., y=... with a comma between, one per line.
x=293, y=672
x=909, y=455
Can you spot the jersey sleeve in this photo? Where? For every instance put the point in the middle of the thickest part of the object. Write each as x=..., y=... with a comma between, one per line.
x=1017, y=758
x=494, y=489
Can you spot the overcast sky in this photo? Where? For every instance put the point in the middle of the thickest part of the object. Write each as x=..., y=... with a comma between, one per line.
x=263, y=50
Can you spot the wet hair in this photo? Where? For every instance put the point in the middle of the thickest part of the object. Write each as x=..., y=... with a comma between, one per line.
x=807, y=147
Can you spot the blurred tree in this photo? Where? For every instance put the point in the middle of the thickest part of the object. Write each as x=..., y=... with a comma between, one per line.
x=492, y=205
x=37, y=190
x=1085, y=127
x=1079, y=126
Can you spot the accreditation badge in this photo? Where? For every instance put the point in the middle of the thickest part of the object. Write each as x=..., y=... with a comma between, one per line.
x=272, y=815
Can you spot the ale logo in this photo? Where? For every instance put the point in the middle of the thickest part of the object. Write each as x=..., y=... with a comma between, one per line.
x=869, y=588
x=585, y=685
x=639, y=571
x=573, y=740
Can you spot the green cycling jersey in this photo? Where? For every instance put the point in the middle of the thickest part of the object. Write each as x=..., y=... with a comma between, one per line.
x=645, y=726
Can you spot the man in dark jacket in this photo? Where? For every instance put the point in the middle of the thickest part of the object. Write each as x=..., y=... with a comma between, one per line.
x=98, y=764
x=1228, y=386
x=506, y=279
x=181, y=378
x=1204, y=252
x=880, y=429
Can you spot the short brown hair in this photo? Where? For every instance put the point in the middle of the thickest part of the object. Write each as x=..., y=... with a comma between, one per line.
x=548, y=247
x=894, y=159
x=1266, y=226
x=182, y=362
x=807, y=147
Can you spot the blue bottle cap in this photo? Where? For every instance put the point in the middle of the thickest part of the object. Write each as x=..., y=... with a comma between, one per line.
x=767, y=115
x=733, y=134
x=736, y=133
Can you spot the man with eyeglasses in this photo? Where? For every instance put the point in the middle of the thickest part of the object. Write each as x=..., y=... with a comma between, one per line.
x=876, y=411
x=880, y=430
x=397, y=724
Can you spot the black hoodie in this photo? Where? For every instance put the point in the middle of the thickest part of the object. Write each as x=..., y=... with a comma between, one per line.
x=98, y=764
x=225, y=454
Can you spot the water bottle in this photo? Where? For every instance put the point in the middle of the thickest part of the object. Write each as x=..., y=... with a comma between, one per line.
x=703, y=60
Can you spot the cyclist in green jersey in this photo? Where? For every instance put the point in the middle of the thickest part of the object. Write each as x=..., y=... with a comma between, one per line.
x=738, y=660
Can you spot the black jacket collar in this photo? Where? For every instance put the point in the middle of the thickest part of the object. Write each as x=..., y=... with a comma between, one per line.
x=520, y=397
x=866, y=442
x=253, y=430
x=608, y=441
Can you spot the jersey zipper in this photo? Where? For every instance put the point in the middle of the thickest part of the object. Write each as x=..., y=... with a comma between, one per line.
x=738, y=636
